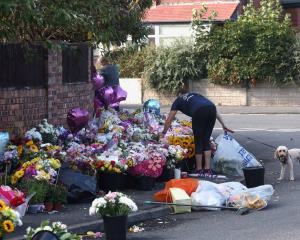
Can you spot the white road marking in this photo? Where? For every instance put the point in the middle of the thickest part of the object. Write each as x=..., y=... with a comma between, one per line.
x=286, y=130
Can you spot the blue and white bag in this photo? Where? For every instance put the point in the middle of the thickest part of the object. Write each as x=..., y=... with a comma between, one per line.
x=230, y=157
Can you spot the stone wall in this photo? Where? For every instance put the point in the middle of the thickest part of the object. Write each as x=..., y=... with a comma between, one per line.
x=21, y=109
x=260, y=95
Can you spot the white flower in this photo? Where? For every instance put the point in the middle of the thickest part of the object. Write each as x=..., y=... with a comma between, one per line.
x=48, y=228
x=128, y=202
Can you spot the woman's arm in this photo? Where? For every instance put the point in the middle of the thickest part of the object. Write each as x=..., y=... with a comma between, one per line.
x=168, y=122
x=220, y=119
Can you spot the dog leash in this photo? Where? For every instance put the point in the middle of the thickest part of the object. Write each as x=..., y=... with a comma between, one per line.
x=252, y=139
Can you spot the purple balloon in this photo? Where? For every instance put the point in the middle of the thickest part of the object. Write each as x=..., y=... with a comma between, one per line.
x=114, y=105
x=98, y=81
x=77, y=118
x=106, y=95
x=98, y=103
x=120, y=94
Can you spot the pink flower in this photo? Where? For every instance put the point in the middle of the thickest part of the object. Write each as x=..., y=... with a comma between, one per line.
x=111, y=195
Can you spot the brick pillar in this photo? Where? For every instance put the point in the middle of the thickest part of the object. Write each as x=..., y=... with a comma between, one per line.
x=54, y=81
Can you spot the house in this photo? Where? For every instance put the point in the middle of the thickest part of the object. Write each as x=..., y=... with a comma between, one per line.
x=172, y=19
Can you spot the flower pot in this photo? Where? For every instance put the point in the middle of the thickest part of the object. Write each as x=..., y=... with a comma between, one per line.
x=254, y=176
x=111, y=181
x=115, y=227
x=166, y=175
x=57, y=207
x=130, y=182
x=145, y=183
x=48, y=206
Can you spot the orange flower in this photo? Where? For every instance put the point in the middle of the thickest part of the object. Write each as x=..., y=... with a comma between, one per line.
x=20, y=150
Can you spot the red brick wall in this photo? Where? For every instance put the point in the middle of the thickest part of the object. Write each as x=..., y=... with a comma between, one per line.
x=20, y=109
x=25, y=108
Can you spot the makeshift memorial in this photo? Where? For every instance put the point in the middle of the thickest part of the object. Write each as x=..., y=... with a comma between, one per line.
x=9, y=219
x=58, y=228
x=114, y=208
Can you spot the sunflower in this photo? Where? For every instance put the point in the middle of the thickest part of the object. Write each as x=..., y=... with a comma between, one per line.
x=19, y=174
x=8, y=226
x=33, y=148
x=2, y=205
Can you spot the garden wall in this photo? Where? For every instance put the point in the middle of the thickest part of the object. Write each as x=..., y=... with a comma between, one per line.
x=260, y=95
x=23, y=108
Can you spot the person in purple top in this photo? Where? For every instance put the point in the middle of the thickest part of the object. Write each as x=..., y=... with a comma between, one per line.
x=204, y=114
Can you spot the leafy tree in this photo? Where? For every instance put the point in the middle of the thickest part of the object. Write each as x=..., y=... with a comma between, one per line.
x=259, y=46
x=98, y=21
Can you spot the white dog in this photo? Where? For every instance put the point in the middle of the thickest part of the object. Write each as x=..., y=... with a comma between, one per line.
x=287, y=157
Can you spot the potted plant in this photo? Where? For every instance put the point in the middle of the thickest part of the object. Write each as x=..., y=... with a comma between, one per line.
x=39, y=189
x=49, y=199
x=60, y=193
x=114, y=208
x=111, y=175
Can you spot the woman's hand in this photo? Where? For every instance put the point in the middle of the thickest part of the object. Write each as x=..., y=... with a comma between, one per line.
x=226, y=129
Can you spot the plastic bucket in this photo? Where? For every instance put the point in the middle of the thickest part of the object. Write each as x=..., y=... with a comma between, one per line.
x=144, y=183
x=115, y=227
x=254, y=176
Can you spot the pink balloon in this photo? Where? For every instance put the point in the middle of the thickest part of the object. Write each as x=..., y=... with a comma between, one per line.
x=77, y=118
x=98, y=81
x=119, y=94
x=106, y=94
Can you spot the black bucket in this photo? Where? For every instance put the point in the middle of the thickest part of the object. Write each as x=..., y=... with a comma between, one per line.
x=115, y=227
x=144, y=183
x=254, y=176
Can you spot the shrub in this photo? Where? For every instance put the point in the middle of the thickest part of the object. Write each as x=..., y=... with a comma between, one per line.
x=131, y=60
x=172, y=67
x=258, y=47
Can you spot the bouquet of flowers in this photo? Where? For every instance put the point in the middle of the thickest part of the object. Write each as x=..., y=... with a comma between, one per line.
x=111, y=166
x=9, y=218
x=152, y=166
x=113, y=204
x=38, y=168
x=185, y=141
x=48, y=132
x=33, y=135
x=175, y=155
x=58, y=228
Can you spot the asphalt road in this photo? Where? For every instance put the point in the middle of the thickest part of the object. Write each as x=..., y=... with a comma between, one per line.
x=280, y=220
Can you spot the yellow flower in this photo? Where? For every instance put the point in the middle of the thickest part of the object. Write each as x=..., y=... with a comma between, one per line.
x=19, y=174
x=14, y=180
x=20, y=150
x=8, y=226
x=33, y=148
x=29, y=143
x=55, y=163
x=38, y=167
x=2, y=205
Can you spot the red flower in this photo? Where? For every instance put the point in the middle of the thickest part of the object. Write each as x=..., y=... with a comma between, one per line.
x=113, y=163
